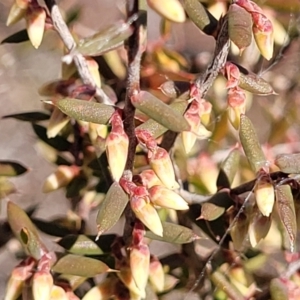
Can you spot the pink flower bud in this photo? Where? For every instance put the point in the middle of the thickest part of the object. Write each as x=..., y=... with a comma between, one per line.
x=162, y=165
x=265, y=197
x=146, y=212
x=265, y=42
x=139, y=265
x=232, y=73
x=145, y=138
x=60, y=178
x=36, y=19
x=117, y=147
x=42, y=285
x=236, y=105
x=205, y=112
x=164, y=197
x=149, y=178
x=157, y=275
x=22, y=3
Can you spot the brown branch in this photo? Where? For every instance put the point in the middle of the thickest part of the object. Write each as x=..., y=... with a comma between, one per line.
x=134, y=52
x=79, y=60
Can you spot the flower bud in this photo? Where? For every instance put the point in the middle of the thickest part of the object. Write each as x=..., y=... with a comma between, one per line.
x=42, y=285
x=149, y=178
x=58, y=293
x=35, y=19
x=94, y=70
x=171, y=9
x=117, y=147
x=265, y=42
x=205, y=112
x=265, y=197
x=16, y=13
x=162, y=165
x=164, y=197
x=236, y=105
x=146, y=213
x=157, y=275
x=60, y=178
x=139, y=265
x=102, y=291
x=22, y=3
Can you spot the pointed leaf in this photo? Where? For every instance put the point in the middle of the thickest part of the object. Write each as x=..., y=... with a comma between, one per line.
x=259, y=228
x=18, y=37
x=202, y=18
x=80, y=266
x=111, y=208
x=22, y=227
x=251, y=145
x=106, y=40
x=229, y=169
x=210, y=211
x=239, y=26
x=32, y=243
x=155, y=128
x=288, y=163
x=11, y=168
x=86, y=245
x=239, y=232
x=59, y=143
x=174, y=233
x=254, y=83
x=87, y=111
x=160, y=112
x=34, y=116
x=286, y=211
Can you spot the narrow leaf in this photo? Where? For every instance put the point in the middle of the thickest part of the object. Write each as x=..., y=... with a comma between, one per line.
x=24, y=230
x=111, y=208
x=239, y=26
x=11, y=168
x=288, y=163
x=106, y=40
x=239, y=232
x=32, y=243
x=59, y=143
x=251, y=145
x=174, y=233
x=160, y=112
x=228, y=170
x=286, y=211
x=80, y=266
x=34, y=116
x=259, y=228
x=87, y=111
x=18, y=37
x=202, y=18
x=155, y=128
x=210, y=211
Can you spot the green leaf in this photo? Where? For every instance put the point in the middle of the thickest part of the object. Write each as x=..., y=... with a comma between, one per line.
x=279, y=289
x=87, y=245
x=254, y=83
x=80, y=266
x=34, y=116
x=18, y=37
x=286, y=212
x=11, y=168
x=251, y=145
x=105, y=40
x=229, y=169
x=32, y=243
x=160, y=112
x=58, y=142
x=111, y=208
x=174, y=233
x=24, y=230
x=239, y=26
x=288, y=163
x=259, y=228
x=87, y=111
x=155, y=128
x=210, y=211
x=239, y=232
x=200, y=16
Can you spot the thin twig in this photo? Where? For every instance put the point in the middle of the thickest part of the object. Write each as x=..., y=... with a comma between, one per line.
x=79, y=60
x=134, y=50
